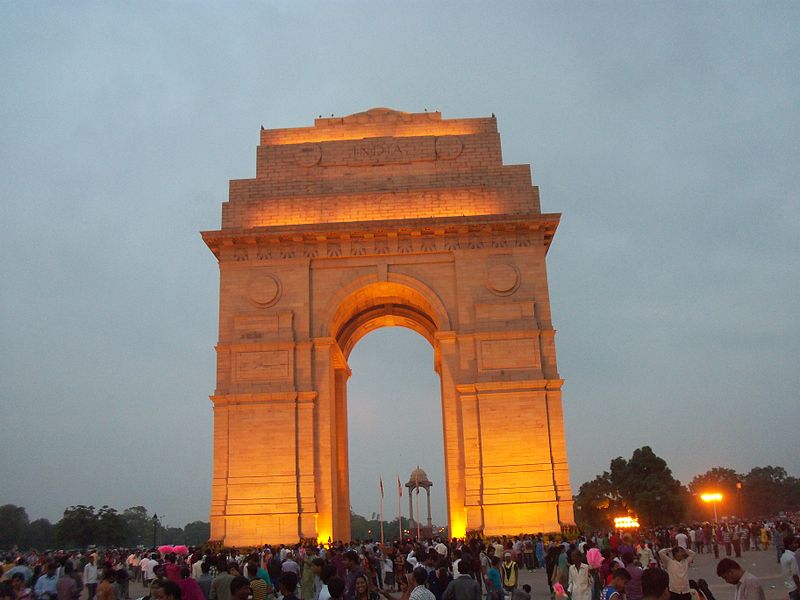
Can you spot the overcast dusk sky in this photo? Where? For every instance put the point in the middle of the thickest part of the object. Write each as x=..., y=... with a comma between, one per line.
x=667, y=134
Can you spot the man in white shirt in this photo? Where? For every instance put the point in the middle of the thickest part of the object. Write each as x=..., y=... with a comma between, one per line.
x=676, y=563
x=90, y=577
x=789, y=567
x=748, y=587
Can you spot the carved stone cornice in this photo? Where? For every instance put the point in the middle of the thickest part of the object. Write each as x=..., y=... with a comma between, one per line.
x=398, y=236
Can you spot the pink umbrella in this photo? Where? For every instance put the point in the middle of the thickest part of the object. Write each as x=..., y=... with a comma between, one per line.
x=182, y=550
x=165, y=549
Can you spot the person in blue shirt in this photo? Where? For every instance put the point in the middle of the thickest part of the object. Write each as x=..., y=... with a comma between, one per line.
x=494, y=586
x=616, y=590
x=45, y=588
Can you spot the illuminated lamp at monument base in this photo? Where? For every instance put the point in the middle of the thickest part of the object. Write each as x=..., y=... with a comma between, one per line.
x=337, y=236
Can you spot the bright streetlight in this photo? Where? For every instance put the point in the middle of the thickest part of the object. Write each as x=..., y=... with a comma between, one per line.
x=714, y=498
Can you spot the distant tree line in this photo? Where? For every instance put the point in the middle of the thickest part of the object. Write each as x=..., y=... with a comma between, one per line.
x=82, y=526
x=644, y=486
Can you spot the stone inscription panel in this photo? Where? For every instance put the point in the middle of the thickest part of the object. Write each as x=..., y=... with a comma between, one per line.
x=516, y=353
x=268, y=365
x=276, y=325
x=364, y=152
x=506, y=311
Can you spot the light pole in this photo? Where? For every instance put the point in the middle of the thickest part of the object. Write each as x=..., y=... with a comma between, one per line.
x=714, y=498
x=155, y=528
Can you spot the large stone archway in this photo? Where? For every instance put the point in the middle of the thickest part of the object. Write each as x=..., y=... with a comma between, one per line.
x=383, y=218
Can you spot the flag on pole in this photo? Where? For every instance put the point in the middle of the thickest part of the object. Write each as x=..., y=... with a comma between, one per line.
x=399, y=487
x=381, y=482
x=416, y=479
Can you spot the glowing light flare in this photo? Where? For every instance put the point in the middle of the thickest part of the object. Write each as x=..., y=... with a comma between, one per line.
x=349, y=133
x=711, y=497
x=626, y=522
x=458, y=526
x=416, y=206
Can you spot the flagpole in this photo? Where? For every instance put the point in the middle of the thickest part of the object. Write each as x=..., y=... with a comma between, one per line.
x=400, y=508
x=381, y=511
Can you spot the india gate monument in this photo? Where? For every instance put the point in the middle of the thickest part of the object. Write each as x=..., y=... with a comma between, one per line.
x=384, y=218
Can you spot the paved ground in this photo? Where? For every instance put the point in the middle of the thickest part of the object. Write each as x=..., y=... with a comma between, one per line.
x=761, y=564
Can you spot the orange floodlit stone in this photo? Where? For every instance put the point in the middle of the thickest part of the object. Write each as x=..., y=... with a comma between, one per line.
x=377, y=219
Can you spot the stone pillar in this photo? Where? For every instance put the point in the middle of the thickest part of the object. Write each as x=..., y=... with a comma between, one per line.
x=342, y=481
x=446, y=364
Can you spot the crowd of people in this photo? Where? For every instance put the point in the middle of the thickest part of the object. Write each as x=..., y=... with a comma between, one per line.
x=645, y=565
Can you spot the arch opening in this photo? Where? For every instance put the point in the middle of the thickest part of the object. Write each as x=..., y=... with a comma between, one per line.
x=394, y=425
x=377, y=306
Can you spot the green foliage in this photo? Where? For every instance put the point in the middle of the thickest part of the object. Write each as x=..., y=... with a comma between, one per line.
x=111, y=527
x=78, y=527
x=718, y=479
x=14, y=520
x=643, y=485
x=197, y=532
x=597, y=503
x=769, y=490
x=41, y=535
x=139, y=525
x=363, y=529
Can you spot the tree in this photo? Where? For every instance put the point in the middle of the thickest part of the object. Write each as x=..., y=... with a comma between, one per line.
x=197, y=533
x=14, y=520
x=139, y=525
x=77, y=526
x=111, y=527
x=173, y=535
x=41, y=535
x=769, y=490
x=597, y=503
x=643, y=485
x=718, y=479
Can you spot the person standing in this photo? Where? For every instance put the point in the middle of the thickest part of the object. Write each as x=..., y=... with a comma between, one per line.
x=221, y=585
x=351, y=565
x=105, y=590
x=633, y=589
x=616, y=589
x=494, y=587
x=789, y=567
x=90, y=577
x=655, y=584
x=748, y=586
x=580, y=581
x=45, y=588
x=463, y=587
x=205, y=579
x=420, y=592
x=676, y=563
x=509, y=572
x=66, y=586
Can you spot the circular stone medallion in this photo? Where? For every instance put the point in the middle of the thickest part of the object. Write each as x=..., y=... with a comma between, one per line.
x=264, y=290
x=448, y=148
x=502, y=279
x=308, y=155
